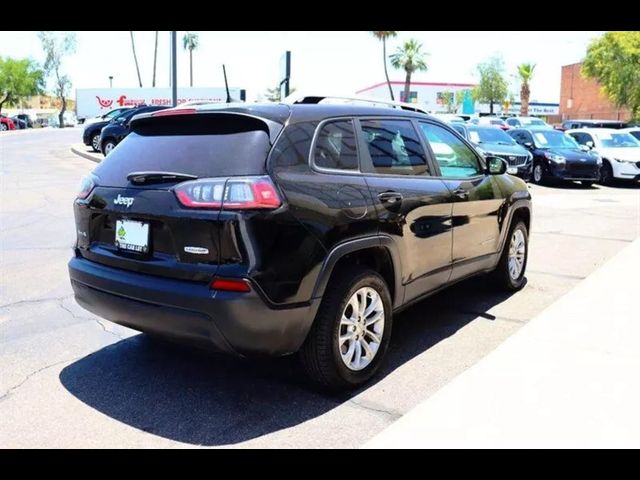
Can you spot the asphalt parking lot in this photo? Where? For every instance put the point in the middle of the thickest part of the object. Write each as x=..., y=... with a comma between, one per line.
x=69, y=379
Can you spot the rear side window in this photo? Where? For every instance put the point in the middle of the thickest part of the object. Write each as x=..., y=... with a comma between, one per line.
x=335, y=146
x=394, y=147
x=205, y=145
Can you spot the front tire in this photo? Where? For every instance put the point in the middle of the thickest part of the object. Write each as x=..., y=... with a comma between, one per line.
x=538, y=173
x=606, y=173
x=107, y=146
x=350, y=334
x=510, y=272
x=3, y=127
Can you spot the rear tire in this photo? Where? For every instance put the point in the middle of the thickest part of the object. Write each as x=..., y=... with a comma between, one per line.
x=511, y=269
x=332, y=362
x=3, y=127
x=95, y=142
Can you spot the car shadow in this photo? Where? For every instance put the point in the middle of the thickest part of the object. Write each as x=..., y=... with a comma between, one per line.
x=208, y=399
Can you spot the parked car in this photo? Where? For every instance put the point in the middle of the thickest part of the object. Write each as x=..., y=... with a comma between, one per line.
x=620, y=151
x=20, y=124
x=524, y=122
x=6, y=123
x=92, y=129
x=113, y=133
x=490, y=121
x=635, y=131
x=448, y=117
x=281, y=228
x=108, y=116
x=577, y=123
x=491, y=141
x=556, y=156
x=26, y=118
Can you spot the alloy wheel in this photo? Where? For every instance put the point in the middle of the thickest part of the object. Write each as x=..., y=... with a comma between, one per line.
x=361, y=328
x=517, y=251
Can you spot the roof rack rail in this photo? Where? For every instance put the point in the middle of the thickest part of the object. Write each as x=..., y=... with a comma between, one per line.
x=315, y=99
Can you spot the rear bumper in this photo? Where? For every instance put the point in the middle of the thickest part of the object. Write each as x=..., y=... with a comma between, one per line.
x=237, y=323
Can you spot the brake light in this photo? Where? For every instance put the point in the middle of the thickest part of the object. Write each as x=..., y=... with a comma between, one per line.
x=176, y=111
x=233, y=193
x=230, y=285
x=87, y=184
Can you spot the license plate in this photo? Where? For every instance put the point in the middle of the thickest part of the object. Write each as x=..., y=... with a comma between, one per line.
x=512, y=170
x=132, y=236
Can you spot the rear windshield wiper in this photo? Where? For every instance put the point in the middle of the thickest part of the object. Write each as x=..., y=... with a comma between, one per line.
x=142, y=178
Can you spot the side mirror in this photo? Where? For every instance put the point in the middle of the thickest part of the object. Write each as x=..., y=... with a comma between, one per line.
x=589, y=144
x=496, y=165
x=529, y=145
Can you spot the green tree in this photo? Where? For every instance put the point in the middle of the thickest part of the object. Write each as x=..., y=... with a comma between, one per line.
x=274, y=95
x=448, y=100
x=492, y=87
x=190, y=42
x=383, y=36
x=614, y=61
x=56, y=47
x=19, y=79
x=410, y=58
x=135, y=59
x=525, y=72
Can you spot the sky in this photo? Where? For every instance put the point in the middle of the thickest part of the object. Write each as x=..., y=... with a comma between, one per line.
x=326, y=62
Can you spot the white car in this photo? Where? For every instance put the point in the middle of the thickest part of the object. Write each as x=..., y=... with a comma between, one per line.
x=448, y=117
x=524, y=122
x=635, y=131
x=620, y=151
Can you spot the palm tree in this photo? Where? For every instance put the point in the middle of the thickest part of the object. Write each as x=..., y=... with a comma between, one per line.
x=525, y=72
x=190, y=42
x=383, y=36
x=410, y=58
x=155, y=60
x=135, y=58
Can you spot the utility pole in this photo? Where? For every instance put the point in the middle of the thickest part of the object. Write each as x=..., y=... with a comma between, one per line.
x=174, y=68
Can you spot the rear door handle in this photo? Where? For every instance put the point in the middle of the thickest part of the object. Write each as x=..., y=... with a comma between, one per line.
x=461, y=193
x=390, y=198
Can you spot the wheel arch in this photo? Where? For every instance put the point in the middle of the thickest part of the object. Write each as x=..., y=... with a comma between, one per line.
x=377, y=252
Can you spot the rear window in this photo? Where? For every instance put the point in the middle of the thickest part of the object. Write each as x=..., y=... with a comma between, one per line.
x=205, y=145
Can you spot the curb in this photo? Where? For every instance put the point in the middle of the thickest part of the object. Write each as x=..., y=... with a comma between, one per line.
x=87, y=155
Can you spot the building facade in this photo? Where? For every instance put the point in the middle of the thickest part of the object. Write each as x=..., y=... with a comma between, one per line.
x=432, y=97
x=582, y=98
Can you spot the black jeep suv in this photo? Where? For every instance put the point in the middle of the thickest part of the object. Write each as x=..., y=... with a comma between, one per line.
x=273, y=229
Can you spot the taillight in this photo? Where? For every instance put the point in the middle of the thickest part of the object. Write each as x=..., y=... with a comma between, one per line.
x=86, y=186
x=230, y=285
x=233, y=193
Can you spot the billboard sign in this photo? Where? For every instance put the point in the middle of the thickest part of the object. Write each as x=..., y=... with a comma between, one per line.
x=93, y=102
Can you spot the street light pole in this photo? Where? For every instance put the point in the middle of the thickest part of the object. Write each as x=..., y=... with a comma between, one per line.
x=110, y=81
x=174, y=68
